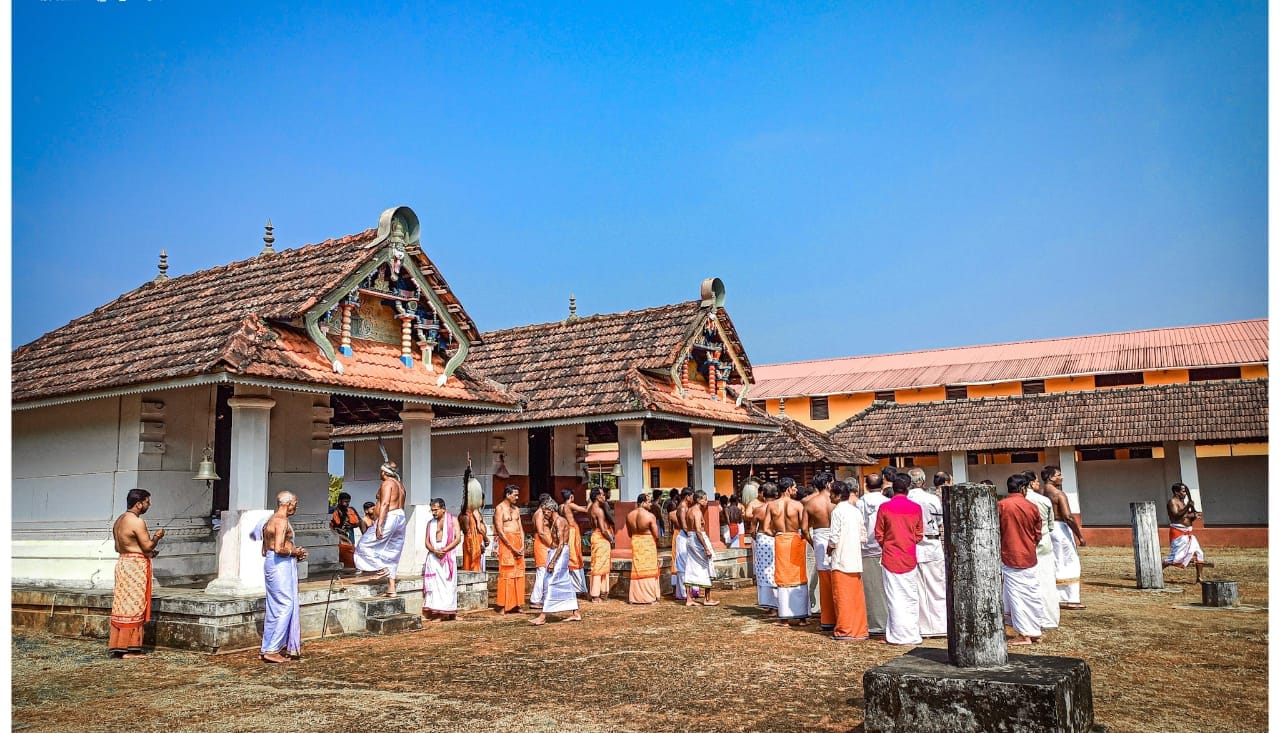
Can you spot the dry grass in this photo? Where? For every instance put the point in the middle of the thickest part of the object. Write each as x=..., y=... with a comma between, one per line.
x=659, y=668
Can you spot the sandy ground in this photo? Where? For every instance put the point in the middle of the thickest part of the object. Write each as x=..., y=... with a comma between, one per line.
x=655, y=668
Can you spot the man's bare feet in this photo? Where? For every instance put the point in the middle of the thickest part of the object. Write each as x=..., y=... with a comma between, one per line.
x=131, y=655
x=575, y=617
x=539, y=621
x=1020, y=641
x=274, y=658
x=710, y=602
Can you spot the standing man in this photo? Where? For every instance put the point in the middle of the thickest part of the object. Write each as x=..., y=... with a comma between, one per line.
x=131, y=598
x=872, y=572
x=440, y=571
x=818, y=506
x=1019, y=533
x=642, y=526
x=789, y=522
x=541, y=542
x=762, y=549
x=378, y=553
x=929, y=559
x=1066, y=536
x=601, y=545
x=510, y=537
x=733, y=519
x=899, y=528
x=680, y=544
x=561, y=594
x=655, y=508
x=1046, y=568
x=344, y=521
x=570, y=510
x=699, y=565
x=282, y=629
x=475, y=539
x=844, y=557
x=1184, y=548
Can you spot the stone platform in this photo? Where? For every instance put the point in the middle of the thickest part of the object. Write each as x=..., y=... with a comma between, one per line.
x=921, y=692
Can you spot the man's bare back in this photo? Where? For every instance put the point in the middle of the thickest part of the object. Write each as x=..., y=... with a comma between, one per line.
x=749, y=519
x=787, y=515
x=641, y=521
x=818, y=506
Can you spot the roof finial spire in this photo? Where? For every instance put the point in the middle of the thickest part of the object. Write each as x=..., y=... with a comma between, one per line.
x=573, y=308
x=164, y=267
x=270, y=239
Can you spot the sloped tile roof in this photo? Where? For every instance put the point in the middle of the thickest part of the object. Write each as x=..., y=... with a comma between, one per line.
x=232, y=318
x=1219, y=344
x=1234, y=410
x=795, y=443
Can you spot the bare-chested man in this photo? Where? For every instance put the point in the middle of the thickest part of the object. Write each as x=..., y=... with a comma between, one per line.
x=762, y=548
x=510, y=537
x=1066, y=536
x=560, y=594
x=541, y=544
x=787, y=519
x=571, y=509
x=601, y=544
x=377, y=554
x=642, y=526
x=282, y=629
x=1184, y=548
x=699, y=567
x=475, y=539
x=131, y=599
x=679, y=542
x=818, y=506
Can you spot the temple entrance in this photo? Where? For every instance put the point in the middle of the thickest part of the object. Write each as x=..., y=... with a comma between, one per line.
x=541, y=480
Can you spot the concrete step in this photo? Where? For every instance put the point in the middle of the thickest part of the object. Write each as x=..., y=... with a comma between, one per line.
x=381, y=606
x=393, y=624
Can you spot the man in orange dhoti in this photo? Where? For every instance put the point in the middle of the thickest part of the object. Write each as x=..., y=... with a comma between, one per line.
x=601, y=545
x=643, y=528
x=844, y=556
x=789, y=521
x=474, y=540
x=569, y=509
x=506, y=520
x=131, y=599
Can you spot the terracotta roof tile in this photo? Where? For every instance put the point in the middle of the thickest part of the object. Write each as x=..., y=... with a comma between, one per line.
x=795, y=443
x=1234, y=410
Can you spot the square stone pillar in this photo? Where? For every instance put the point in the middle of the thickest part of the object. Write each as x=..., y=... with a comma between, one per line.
x=239, y=558
x=631, y=457
x=415, y=474
x=1180, y=466
x=1070, y=479
x=704, y=464
x=956, y=463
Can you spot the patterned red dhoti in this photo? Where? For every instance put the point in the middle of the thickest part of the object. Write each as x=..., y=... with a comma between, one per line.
x=130, y=603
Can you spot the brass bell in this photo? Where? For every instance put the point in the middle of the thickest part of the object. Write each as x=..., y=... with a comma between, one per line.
x=617, y=470
x=207, y=472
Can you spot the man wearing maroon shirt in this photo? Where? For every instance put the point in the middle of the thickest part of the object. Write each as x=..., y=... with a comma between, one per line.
x=1020, y=530
x=899, y=526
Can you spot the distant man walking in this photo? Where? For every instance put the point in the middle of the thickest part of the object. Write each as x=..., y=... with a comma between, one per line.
x=131, y=598
x=561, y=594
x=1184, y=548
x=282, y=627
x=377, y=555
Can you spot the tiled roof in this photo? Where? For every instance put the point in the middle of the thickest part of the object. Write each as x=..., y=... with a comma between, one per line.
x=795, y=443
x=1219, y=344
x=1234, y=410
x=237, y=318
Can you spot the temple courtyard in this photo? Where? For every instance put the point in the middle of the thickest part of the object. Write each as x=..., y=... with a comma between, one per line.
x=1159, y=663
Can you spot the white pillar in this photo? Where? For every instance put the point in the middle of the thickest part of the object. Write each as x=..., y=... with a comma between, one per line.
x=704, y=464
x=631, y=457
x=1180, y=460
x=955, y=462
x=1070, y=479
x=239, y=557
x=415, y=474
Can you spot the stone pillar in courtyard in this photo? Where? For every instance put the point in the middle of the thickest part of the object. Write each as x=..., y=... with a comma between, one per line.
x=1146, y=545
x=416, y=476
x=704, y=466
x=631, y=458
x=975, y=635
x=240, y=557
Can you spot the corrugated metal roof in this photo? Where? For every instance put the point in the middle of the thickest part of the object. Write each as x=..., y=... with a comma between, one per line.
x=1217, y=344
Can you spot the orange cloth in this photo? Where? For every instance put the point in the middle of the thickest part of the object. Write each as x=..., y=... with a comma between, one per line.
x=601, y=554
x=828, y=604
x=347, y=554
x=539, y=552
x=850, y=605
x=789, y=560
x=130, y=602
x=1176, y=532
x=472, y=552
x=575, y=547
x=510, y=571
x=644, y=587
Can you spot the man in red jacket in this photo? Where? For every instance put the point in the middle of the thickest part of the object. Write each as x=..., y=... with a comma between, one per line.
x=1020, y=530
x=899, y=526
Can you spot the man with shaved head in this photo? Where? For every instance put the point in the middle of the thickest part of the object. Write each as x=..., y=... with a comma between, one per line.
x=282, y=630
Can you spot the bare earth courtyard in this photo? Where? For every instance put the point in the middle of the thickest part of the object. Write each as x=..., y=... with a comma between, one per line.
x=655, y=668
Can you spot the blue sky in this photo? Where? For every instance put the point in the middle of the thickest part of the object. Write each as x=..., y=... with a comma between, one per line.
x=864, y=177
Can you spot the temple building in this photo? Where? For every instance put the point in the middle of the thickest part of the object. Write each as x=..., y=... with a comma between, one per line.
x=796, y=450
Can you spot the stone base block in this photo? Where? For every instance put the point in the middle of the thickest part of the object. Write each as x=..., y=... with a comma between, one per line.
x=921, y=692
x=393, y=624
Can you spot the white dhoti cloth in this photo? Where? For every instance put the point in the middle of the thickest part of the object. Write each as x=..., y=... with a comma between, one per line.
x=793, y=602
x=1067, y=562
x=699, y=568
x=933, y=597
x=539, y=585
x=762, y=567
x=281, y=629
x=373, y=554
x=1184, y=548
x=1046, y=576
x=873, y=593
x=680, y=541
x=902, y=599
x=440, y=574
x=813, y=592
x=1022, y=601
x=561, y=595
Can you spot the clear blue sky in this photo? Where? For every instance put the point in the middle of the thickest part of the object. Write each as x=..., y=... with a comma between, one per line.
x=864, y=177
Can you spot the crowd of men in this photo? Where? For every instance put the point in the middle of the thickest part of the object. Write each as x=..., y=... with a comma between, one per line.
x=866, y=560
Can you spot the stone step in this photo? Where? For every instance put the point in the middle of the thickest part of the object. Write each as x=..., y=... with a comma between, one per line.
x=381, y=606
x=393, y=624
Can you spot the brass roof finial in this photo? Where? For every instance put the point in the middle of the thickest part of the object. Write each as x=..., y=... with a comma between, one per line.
x=164, y=267
x=270, y=239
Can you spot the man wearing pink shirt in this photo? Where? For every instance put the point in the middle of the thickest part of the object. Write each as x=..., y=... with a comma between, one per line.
x=899, y=526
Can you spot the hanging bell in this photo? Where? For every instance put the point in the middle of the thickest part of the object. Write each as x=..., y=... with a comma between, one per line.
x=207, y=472
x=617, y=470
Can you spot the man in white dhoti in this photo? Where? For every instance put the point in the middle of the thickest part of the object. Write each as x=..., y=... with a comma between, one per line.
x=680, y=544
x=699, y=565
x=899, y=529
x=1066, y=535
x=281, y=629
x=440, y=571
x=1046, y=568
x=1184, y=548
x=377, y=554
x=930, y=563
x=872, y=571
x=1019, y=533
x=819, y=505
x=561, y=592
x=762, y=548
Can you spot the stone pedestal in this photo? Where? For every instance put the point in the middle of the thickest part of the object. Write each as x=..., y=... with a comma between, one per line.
x=1146, y=545
x=1220, y=593
x=919, y=692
